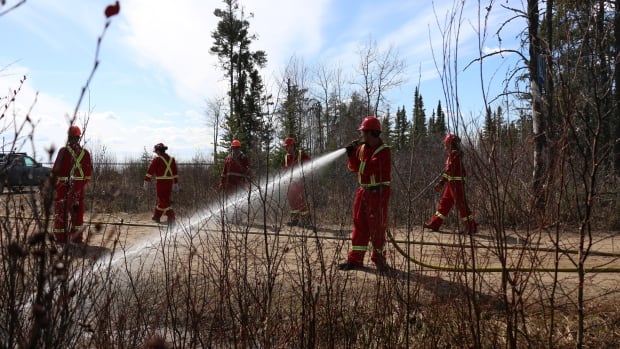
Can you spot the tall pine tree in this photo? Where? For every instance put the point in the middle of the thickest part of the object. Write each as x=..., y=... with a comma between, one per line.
x=386, y=127
x=401, y=129
x=439, y=126
x=232, y=46
x=419, y=117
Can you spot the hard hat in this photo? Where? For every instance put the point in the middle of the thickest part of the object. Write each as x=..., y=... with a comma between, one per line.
x=160, y=147
x=451, y=139
x=235, y=143
x=74, y=131
x=370, y=123
x=289, y=141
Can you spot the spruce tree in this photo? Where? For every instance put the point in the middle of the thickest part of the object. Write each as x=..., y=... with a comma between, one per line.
x=386, y=127
x=439, y=126
x=401, y=129
x=232, y=46
x=419, y=117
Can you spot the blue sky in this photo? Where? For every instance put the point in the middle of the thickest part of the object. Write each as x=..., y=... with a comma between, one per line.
x=156, y=72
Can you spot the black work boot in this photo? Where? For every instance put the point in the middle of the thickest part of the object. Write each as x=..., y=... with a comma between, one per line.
x=348, y=266
x=306, y=223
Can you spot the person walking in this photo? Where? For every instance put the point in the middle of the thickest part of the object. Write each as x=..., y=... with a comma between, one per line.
x=454, y=192
x=71, y=173
x=371, y=161
x=296, y=194
x=236, y=172
x=163, y=168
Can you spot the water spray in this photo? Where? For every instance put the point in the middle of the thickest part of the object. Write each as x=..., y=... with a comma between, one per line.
x=264, y=192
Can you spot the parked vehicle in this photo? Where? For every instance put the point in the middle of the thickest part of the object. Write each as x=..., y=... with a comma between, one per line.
x=18, y=170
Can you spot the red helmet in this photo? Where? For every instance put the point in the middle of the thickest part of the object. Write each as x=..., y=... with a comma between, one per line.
x=289, y=141
x=451, y=139
x=235, y=144
x=160, y=147
x=74, y=131
x=370, y=123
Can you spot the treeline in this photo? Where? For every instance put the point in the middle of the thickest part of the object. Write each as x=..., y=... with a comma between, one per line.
x=568, y=73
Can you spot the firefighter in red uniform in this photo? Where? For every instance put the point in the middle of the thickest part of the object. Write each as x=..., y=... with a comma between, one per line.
x=371, y=160
x=71, y=172
x=164, y=169
x=296, y=194
x=236, y=172
x=454, y=193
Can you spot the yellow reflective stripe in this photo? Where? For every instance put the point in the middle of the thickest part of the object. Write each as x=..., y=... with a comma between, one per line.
x=168, y=172
x=468, y=218
x=362, y=163
x=359, y=248
x=66, y=179
x=438, y=214
x=378, y=184
x=76, y=164
x=298, y=158
x=363, y=166
x=450, y=178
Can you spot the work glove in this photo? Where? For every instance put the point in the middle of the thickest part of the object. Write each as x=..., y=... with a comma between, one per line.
x=145, y=185
x=351, y=147
x=175, y=187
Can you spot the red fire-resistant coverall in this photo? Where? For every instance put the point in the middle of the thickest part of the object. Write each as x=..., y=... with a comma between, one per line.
x=296, y=191
x=72, y=170
x=164, y=169
x=236, y=172
x=454, y=193
x=370, y=208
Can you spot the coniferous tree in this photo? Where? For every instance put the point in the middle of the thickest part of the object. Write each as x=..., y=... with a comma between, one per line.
x=401, y=129
x=419, y=117
x=439, y=127
x=232, y=46
x=488, y=132
x=431, y=123
x=386, y=127
x=292, y=111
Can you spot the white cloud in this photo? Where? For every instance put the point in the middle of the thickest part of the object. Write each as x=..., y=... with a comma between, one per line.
x=174, y=38
x=157, y=52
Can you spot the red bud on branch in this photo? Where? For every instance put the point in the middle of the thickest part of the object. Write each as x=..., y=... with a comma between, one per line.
x=112, y=10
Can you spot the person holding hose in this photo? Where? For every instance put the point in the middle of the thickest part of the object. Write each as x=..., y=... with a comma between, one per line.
x=371, y=161
x=164, y=168
x=454, y=192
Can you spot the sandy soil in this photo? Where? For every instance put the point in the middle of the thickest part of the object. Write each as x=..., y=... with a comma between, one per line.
x=430, y=253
